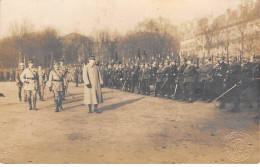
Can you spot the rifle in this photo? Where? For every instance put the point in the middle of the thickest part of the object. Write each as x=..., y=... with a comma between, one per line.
x=175, y=91
x=225, y=93
x=123, y=88
x=163, y=85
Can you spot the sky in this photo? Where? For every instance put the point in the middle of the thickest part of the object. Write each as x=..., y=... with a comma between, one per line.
x=89, y=16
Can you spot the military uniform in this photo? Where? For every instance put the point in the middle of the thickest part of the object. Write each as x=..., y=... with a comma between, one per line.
x=133, y=77
x=158, y=82
x=20, y=85
x=30, y=79
x=140, y=79
x=42, y=82
x=64, y=72
x=189, y=78
x=247, y=83
x=180, y=81
x=256, y=83
x=76, y=77
x=219, y=76
x=146, y=81
x=233, y=78
x=205, y=80
x=56, y=82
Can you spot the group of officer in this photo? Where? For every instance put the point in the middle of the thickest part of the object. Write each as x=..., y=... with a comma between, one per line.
x=184, y=80
x=32, y=82
x=189, y=81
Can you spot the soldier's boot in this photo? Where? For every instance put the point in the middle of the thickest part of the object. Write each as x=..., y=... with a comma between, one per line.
x=89, y=108
x=56, y=105
x=30, y=103
x=20, y=97
x=34, y=103
x=60, y=104
x=25, y=98
x=96, y=108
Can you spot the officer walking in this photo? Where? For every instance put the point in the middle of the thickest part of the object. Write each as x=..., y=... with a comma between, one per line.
x=56, y=82
x=64, y=71
x=30, y=79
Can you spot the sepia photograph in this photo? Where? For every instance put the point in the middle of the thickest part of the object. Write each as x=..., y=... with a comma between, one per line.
x=129, y=81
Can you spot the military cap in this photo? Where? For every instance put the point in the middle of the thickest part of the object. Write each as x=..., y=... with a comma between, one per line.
x=91, y=58
x=55, y=62
x=30, y=61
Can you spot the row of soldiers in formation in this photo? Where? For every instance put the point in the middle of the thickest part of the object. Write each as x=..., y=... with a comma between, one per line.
x=186, y=81
x=31, y=82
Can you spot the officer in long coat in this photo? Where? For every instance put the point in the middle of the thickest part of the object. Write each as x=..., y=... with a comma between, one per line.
x=92, y=89
x=55, y=84
x=30, y=79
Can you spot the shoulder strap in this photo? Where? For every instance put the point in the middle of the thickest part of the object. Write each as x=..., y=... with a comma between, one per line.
x=32, y=73
x=57, y=74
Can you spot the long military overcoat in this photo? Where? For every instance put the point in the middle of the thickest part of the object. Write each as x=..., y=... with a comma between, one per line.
x=92, y=94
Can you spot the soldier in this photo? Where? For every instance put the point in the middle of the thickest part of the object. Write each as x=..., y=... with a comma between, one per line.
x=30, y=79
x=189, y=78
x=167, y=79
x=180, y=80
x=219, y=76
x=205, y=80
x=109, y=76
x=140, y=78
x=247, y=82
x=146, y=80
x=154, y=69
x=233, y=79
x=20, y=84
x=133, y=77
x=56, y=82
x=42, y=81
x=158, y=82
x=76, y=76
x=103, y=71
x=256, y=83
x=64, y=71
x=126, y=84
x=172, y=75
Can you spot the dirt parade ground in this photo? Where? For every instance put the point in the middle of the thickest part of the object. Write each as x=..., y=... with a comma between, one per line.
x=131, y=129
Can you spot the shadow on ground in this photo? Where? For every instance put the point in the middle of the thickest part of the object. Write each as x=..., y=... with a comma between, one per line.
x=120, y=104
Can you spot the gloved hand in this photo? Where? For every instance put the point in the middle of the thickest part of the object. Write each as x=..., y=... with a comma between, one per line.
x=88, y=85
x=50, y=89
